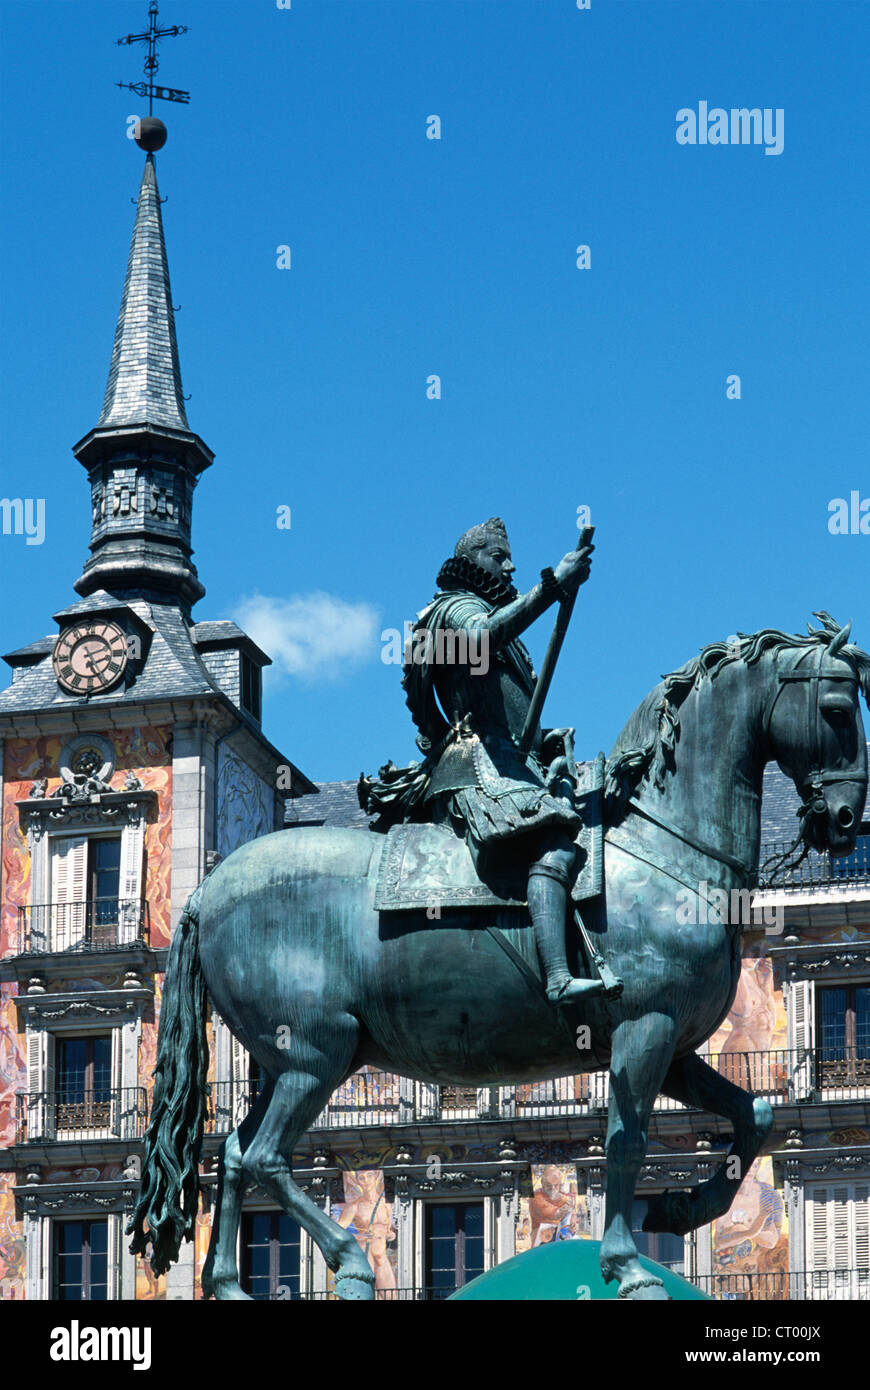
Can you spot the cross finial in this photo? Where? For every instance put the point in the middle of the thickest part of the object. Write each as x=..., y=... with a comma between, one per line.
x=152, y=36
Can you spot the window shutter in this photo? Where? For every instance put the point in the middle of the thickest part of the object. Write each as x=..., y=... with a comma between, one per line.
x=123, y=1101
x=35, y=1088
x=801, y=1028
x=69, y=868
x=817, y=1220
x=838, y=1241
x=114, y=1257
x=130, y=884
x=240, y=1075
x=428, y=1101
x=41, y=1099
x=862, y=1226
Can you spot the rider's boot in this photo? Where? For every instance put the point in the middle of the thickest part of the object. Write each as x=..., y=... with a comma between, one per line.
x=548, y=902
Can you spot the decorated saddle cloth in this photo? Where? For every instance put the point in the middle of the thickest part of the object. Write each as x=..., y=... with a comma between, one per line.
x=429, y=865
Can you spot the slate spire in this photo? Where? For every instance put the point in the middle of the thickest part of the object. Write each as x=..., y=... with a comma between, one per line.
x=145, y=376
x=142, y=458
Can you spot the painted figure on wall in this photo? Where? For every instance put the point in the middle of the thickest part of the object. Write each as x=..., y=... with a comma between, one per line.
x=555, y=1210
x=752, y=1237
x=369, y=1217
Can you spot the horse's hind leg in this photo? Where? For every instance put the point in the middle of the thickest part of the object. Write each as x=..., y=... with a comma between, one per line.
x=298, y=1097
x=641, y=1054
x=220, y=1274
x=693, y=1082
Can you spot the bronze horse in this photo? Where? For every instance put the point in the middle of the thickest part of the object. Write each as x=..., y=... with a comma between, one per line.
x=283, y=934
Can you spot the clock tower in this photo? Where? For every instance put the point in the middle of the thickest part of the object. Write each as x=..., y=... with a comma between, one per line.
x=133, y=756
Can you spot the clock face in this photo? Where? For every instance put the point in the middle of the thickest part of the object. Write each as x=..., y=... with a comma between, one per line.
x=90, y=657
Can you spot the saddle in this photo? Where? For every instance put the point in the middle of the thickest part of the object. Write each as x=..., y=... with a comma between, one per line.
x=424, y=865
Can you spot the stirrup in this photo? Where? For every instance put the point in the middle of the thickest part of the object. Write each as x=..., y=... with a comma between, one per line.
x=574, y=988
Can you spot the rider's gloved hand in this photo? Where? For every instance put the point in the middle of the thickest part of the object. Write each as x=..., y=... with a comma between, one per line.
x=573, y=569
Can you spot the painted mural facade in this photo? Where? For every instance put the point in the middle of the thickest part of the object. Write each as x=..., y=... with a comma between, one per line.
x=146, y=752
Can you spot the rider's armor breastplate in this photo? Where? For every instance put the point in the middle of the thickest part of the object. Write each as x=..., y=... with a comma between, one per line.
x=492, y=709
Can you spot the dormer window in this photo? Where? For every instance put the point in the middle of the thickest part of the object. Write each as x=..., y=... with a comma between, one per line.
x=252, y=688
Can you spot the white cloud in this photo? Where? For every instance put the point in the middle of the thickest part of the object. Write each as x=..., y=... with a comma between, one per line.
x=312, y=637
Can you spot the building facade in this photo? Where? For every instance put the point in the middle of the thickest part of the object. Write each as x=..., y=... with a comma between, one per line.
x=132, y=753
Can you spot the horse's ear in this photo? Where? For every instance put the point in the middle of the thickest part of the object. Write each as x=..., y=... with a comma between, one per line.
x=839, y=642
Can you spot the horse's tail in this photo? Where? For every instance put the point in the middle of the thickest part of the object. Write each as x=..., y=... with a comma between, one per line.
x=169, y=1194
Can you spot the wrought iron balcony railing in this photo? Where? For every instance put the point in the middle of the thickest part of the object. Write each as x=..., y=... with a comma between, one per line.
x=72, y=1113
x=830, y=1285
x=847, y=1285
x=369, y=1099
x=822, y=870
x=97, y=924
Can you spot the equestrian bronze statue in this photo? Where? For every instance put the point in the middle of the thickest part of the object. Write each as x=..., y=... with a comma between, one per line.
x=451, y=944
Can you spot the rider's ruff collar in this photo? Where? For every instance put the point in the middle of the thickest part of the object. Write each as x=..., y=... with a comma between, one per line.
x=461, y=573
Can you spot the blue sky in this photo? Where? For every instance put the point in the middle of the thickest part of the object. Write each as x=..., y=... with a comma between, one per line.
x=410, y=257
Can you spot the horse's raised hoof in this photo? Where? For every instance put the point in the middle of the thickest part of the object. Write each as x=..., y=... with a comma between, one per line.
x=356, y=1287
x=615, y=990
x=670, y=1212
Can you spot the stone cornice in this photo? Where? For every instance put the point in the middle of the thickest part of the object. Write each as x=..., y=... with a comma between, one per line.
x=830, y=959
x=803, y=1165
x=50, y=1199
x=84, y=1009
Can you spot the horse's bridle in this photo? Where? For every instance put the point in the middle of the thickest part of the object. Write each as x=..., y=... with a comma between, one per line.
x=812, y=789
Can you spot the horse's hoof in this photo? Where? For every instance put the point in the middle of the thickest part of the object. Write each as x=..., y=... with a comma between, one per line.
x=355, y=1288
x=653, y=1291
x=671, y=1213
x=227, y=1291
x=644, y=1290
x=615, y=990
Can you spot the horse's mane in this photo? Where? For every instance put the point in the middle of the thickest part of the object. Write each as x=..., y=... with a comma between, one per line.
x=647, y=744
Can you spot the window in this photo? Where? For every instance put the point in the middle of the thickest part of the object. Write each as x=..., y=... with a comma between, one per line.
x=83, y=1086
x=838, y=1241
x=455, y=1098
x=844, y=1034
x=104, y=888
x=665, y=1249
x=270, y=1255
x=252, y=680
x=80, y=1260
x=85, y=891
x=454, y=1246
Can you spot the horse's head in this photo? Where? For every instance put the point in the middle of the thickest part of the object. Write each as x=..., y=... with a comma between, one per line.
x=814, y=730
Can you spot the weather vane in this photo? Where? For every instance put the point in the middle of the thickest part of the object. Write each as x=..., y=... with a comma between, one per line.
x=152, y=37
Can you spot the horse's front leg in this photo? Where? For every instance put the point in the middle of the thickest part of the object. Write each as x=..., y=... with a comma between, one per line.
x=641, y=1054
x=693, y=1082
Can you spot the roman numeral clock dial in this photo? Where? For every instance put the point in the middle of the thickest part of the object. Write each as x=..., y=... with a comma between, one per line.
x=90, y=658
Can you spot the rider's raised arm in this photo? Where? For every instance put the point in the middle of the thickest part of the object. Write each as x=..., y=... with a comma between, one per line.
x=507, y=623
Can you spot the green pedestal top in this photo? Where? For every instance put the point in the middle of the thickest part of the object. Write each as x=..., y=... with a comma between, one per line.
x=568, y=1269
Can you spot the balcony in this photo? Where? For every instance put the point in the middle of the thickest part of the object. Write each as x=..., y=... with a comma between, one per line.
x=821, y=870
x=98, y=924
x=816, y=1285
x=819, y=1285
x=73, y=1114
x=369, y=1099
